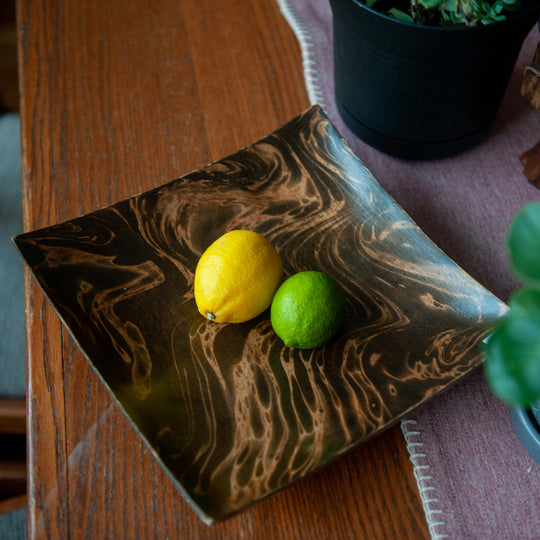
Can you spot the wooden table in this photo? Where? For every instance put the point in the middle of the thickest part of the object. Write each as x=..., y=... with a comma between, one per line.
x=118, y=97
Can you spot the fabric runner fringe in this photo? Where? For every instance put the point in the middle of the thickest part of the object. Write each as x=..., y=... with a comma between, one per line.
x=309, y=62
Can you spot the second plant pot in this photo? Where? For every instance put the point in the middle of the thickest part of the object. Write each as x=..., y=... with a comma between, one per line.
x=526, y=423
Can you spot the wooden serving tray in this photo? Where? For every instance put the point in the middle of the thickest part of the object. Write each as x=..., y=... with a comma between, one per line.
x=230, y=412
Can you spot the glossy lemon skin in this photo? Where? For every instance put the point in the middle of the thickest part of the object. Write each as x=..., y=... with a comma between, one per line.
x=236, y=277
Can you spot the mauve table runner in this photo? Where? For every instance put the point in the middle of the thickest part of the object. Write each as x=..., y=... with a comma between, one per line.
x=474, y=477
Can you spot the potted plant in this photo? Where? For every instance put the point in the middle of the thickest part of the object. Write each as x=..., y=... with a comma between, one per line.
x=423, y=79
x=512, y=365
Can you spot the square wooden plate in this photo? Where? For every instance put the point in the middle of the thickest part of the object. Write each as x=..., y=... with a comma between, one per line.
x=230, y=412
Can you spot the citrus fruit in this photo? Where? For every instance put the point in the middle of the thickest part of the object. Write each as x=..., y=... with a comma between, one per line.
x=236, y=277
x=308, y=309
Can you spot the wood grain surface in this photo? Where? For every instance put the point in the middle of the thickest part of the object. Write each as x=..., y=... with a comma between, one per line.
x=117, y=98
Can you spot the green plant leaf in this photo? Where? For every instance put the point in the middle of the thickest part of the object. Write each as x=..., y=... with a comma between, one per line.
x=430, y=4
x=400, y=15
x=524, y=242
x=526, y=302
x=512, y=5
x=512, y=365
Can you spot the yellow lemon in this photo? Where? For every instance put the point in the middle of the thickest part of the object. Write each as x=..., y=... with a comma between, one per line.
x=308, y=309
x=236, y=277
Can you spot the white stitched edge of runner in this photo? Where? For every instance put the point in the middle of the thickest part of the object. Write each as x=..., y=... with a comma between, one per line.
x=309, y=61
x=424, y=480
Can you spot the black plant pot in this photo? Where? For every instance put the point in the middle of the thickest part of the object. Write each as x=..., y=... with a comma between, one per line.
x=421, y=92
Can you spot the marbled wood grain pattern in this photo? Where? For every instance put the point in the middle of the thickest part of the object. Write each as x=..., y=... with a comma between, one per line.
x=232, y=413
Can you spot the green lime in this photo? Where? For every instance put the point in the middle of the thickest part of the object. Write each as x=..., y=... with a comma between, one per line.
x=308, y=309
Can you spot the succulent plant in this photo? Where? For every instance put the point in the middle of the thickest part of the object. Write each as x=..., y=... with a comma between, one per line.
x=447, y=12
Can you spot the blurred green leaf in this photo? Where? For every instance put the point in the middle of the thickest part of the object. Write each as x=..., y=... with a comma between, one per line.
x=526, y=302
x=524, y=242
x=513, y=351
x=512, y=364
